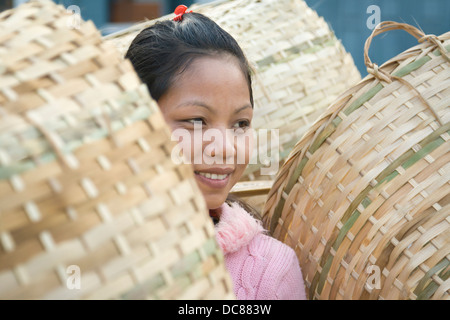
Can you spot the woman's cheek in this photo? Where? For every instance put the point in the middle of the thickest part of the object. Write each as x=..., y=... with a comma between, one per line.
x=251, y=134
x=244, y=147
x=184, y=144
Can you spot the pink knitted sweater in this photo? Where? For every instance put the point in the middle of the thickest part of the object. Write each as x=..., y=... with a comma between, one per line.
x=261, y=267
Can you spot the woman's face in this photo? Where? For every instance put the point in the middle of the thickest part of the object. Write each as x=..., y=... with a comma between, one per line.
x=212, y=97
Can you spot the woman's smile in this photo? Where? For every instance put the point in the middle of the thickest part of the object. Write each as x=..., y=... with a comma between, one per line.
x=216, y=178
x=213, y=182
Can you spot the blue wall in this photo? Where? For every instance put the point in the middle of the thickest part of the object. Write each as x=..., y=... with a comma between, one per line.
x=95, y=10
x=348, y=20
x=99, y=10
x=172, y=4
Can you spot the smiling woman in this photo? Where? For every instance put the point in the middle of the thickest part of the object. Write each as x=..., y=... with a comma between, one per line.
x=201, y=80
x=207, y=93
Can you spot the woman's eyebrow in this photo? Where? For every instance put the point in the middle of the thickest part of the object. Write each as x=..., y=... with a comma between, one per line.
x=195, y=103
x=247, y=106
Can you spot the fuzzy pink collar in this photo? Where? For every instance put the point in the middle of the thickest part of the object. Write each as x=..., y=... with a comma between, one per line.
x=236, y=228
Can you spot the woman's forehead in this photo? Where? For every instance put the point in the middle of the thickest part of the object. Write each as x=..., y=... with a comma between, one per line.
x=208, y=81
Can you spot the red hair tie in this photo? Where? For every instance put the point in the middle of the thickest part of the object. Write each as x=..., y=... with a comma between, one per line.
x=179, y=11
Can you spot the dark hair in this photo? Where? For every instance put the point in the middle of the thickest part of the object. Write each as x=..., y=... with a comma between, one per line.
x=247, y=207
x=162, y=51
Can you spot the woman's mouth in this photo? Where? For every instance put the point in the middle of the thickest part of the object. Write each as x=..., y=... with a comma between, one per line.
x=213, y=176
x=213, y=180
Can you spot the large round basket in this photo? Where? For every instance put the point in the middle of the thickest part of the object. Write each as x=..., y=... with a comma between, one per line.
x=91, y=204
x=300, y=68
x=364, y=196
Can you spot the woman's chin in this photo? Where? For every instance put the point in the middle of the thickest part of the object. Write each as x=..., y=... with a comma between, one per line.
x=214, y=201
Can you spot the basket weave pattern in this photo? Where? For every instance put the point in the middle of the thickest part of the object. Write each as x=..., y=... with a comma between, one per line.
x=368, y=186
x=86, y=176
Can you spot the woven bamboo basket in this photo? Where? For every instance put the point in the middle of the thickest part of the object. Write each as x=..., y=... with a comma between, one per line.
x=91, y=204
x=300, y=68
x=364, y=196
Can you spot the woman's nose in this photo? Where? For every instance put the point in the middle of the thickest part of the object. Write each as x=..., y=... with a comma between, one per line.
x=220, y=144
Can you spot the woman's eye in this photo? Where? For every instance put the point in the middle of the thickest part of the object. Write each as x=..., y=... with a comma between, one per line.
x=196, y=121
x=243, y=124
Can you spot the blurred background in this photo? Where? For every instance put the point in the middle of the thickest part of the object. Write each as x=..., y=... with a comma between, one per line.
x=351, y=20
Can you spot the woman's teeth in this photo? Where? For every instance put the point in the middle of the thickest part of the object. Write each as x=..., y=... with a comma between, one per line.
x=212, y=176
